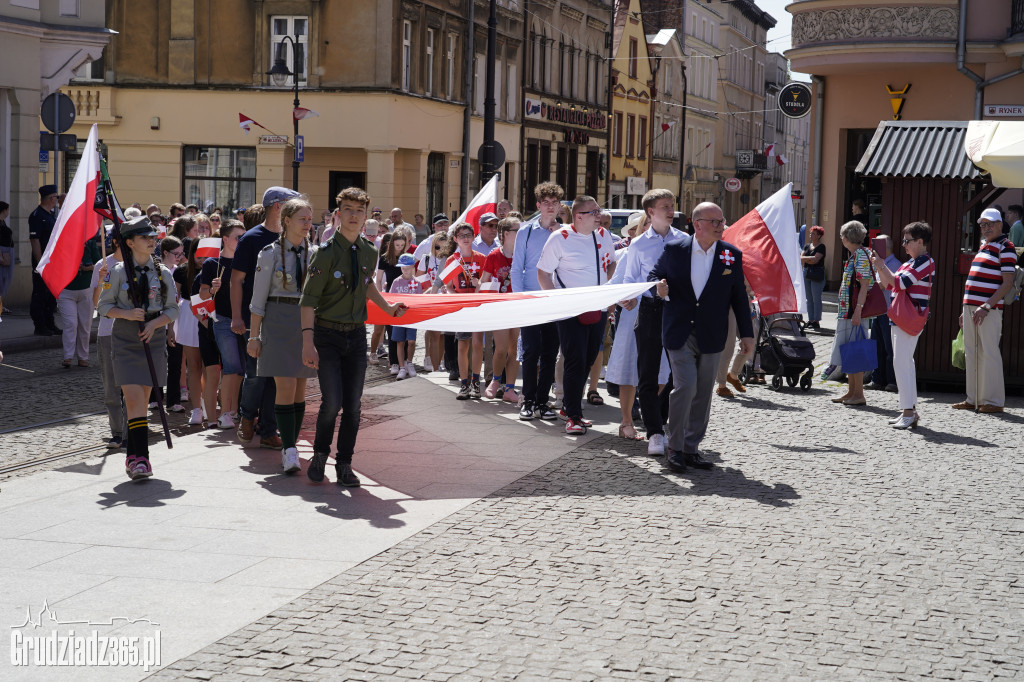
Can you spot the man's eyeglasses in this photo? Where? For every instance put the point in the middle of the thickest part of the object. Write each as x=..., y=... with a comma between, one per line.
x=596, y=212
x=986, y=223
x=907, y=241
x=715, y=222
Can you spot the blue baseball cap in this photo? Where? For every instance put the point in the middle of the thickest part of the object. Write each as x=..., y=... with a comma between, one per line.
x=274, y=195
x=406, y=260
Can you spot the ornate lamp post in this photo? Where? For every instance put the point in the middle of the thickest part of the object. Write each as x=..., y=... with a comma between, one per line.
x=279, y=74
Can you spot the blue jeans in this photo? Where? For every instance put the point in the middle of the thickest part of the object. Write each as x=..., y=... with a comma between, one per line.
x=231, y=347
x=812, y=290
x=341, y=373
x=580, y=344
x=881, y=331
x=257, y=399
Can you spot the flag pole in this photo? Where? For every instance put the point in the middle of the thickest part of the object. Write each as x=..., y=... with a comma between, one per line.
x=128, y=262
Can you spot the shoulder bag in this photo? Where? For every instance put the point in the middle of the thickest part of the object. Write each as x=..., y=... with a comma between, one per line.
x=905, y=314
x=874, y=304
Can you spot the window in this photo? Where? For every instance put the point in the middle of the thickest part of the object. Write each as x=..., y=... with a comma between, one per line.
x=69, y=8
x=90, y=71
x=480, y=74
x=591, y=78
x=406, y=54
x=630, y=135
x=498, y=70
x=574, y=86
x=534, y=59
x=617, y=143
x=511, y=88
x=429, y=76
x=641, y=151
x=218, y=176
x=294, y=58
x=450, y=57
x=632, y=57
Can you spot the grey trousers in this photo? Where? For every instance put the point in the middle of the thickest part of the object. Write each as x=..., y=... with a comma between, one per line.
x=689, y=403
x=111, y=393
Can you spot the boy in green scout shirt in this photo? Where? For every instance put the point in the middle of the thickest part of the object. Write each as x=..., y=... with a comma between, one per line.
x=334, y=333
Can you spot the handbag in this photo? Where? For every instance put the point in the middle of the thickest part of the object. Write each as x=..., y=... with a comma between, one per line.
x=959, y=360
x=859, y=354
x=906, y=315
x=874, y=304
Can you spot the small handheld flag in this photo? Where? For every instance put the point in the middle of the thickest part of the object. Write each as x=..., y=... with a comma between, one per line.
x=209, y=247
x=203, y=308
x=451, y=272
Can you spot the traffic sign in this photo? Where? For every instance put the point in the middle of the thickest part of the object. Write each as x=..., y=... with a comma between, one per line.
x=497, y=155
x=58, y=113
x=44, y=156
x=65, y=143
x=300, y=148
x=733, y=185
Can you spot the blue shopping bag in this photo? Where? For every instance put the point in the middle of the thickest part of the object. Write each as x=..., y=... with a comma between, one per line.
x=858, y=354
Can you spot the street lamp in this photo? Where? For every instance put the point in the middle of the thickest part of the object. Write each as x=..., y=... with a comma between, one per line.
x=279, y=74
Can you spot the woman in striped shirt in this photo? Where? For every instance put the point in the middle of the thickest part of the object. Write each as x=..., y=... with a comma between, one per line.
x=915, y=278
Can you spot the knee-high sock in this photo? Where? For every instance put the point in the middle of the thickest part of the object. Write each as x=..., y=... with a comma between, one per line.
x=286, y=424
x=138, y=437
x=300, y=414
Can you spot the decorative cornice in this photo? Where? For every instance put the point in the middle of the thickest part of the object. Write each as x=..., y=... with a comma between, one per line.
x=571, y=13
x=597, y=24
x=864, y=23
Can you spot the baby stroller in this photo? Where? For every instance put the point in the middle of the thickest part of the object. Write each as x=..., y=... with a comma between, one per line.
x=783, y=351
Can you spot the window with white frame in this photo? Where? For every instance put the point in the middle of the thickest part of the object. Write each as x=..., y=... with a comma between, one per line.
x=498, y=70
x=90, y=71
x=294, y=55
x=406, y=54
x=428, y=84
x=450, y=65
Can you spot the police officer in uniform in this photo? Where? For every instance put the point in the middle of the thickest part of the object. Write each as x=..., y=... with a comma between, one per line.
x=333, y=319
x=40, y=225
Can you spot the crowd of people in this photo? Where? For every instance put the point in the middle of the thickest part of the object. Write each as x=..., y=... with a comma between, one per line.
x=289, y=303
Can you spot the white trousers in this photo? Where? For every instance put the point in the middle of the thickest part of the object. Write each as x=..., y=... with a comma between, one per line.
x=903, y=346
x=984, y=359
x=75, y=309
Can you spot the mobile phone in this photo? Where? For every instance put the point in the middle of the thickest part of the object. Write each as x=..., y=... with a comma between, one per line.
x=879, y=246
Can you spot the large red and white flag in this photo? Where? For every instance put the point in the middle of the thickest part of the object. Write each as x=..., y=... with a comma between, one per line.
x=771, y=255
x=483, y=312
x=209, y=247
x=486, y=200
x=77, y=223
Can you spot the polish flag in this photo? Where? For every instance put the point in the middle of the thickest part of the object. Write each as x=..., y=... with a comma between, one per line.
x=781, y=160
x=486, y=311
x=424, y=279
x=245, y=122
x=485, y=200
x=666, y=126
x=203, y=308
x=77, y=223
x=301, y=112
x=451, y=271
x=769, y=151
x=209, y=247
x=771, y=255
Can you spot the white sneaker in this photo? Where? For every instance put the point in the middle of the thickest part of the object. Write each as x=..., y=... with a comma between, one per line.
x=184, y=394
x=394, y=370
x=176, y=408
x=197, y=417
x=290, y=460
x=153, y=406
x=225, y=421
x=656, y=446
x=402, y=374
x=604, y=368
x=428, y=366
x=373, y=359
x=410, y=370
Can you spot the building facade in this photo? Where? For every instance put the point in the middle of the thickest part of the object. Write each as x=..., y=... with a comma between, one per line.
x=391, y=103
x=789, y=137
x=565, y=97
x=669, y=69
x=632, y=85
x=43, y=43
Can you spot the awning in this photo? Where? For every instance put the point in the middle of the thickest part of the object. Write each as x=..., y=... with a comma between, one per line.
x=997, y=147
x=918, y=149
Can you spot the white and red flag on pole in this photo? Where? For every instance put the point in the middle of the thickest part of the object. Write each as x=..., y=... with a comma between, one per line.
x=77, y=223
x=781, y=159
x=486, y=200
x=203, y=308
x=769, y=151
x=209, y=247
x=486, y=311
x=302, y=112
x=451, y=271
x=245, y=122
x=771, y=256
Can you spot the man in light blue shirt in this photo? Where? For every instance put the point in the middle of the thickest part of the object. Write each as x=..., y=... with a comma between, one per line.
x=487, y=240
x=644, y=252
x=540, y=342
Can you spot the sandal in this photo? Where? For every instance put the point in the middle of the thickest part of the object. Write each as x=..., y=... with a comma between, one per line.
x=594, y=398
x=66, y=364
x=623, y=434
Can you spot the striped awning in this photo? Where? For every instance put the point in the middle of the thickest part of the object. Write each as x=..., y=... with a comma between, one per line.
x=918, y=149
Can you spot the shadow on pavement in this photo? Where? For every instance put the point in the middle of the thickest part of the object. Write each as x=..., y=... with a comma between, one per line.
x=944, y=438
x=151, y=492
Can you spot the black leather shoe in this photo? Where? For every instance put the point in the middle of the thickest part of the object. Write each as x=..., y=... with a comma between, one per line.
x=696, y=461
x=346, y=477
x=676, y=460
x=317, y=463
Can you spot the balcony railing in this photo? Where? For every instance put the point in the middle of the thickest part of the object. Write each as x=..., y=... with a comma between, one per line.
x=1017, y=17
x=93, y=103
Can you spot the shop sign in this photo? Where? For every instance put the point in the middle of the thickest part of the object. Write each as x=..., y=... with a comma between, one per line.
x=795, y=100
x=733, y=185
x=538, y=109
x=636, y=186
x=576, y=136
x=1004, y=109
x=273, y=139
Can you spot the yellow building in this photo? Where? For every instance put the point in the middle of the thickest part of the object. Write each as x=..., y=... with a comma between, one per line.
x=631, y=110
x=388, y=80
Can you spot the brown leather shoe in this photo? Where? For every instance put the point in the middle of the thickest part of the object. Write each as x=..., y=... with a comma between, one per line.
x=963, y=405
x=245, y=430
x=725, y=392
x=990, y=409
x=736, y=383
x=272, y=442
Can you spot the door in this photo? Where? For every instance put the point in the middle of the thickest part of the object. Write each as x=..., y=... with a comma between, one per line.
x=435, y=185
x=339, y=180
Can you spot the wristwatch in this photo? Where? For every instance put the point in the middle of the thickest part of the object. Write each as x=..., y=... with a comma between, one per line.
x=986, y=306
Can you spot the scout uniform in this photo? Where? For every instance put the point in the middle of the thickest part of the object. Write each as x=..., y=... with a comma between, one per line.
x=276, y=291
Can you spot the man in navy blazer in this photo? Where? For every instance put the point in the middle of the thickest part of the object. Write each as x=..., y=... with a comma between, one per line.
x=700, y=278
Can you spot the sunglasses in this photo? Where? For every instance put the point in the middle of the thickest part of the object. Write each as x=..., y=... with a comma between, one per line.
x=214, y=219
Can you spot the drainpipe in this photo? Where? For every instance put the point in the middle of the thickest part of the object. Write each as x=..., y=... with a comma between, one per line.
x=682, y=139
x=961, y=59
x=819, y=84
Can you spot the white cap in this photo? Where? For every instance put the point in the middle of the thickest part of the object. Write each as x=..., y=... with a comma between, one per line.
x=992, y=215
